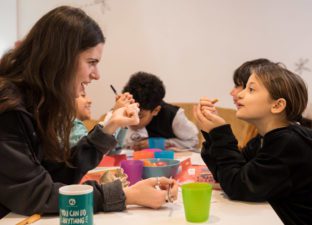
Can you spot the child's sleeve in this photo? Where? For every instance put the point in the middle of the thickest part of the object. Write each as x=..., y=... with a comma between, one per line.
x=185, y=131
x=259, y=179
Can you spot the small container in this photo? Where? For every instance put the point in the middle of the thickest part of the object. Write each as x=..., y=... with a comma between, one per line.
x=143, y=155
x=164, y=155
x=156, y=142
x=170, y=168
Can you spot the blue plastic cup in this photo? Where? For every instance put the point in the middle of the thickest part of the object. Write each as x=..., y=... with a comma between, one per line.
x=156, y=142
x=164, y=155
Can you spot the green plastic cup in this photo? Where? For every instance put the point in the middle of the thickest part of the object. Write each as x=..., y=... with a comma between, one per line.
x=196, y=201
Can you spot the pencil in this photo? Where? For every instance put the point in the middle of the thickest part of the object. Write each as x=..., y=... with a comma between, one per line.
x=30, y=219
x=114, y=90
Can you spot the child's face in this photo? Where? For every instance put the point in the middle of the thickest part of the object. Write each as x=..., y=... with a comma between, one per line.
x=83, y=107
x=254, y=102
x=234, y=93
x=145, y=117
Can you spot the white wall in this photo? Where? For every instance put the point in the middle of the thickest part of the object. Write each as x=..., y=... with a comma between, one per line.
x=193, y=46
x=8, y=23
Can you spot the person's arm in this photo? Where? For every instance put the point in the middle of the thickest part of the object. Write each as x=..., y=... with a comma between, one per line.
x=108, y=116
x=27, y=186
x=86, y=155
x=259, y=179
x=134, y=139
x=119, y=133
x=250, y=150
x=186, y=132
x=88, y=152
x=207, y=157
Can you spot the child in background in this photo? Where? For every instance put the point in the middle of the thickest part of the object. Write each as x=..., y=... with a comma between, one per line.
x=240, y=78
x=83, y=112
x=157, y=118
x=276, y=165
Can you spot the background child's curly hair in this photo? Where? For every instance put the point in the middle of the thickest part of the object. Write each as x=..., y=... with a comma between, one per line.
x=147, y=89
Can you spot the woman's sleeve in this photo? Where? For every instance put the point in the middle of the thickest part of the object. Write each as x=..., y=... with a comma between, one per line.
x=27, y=187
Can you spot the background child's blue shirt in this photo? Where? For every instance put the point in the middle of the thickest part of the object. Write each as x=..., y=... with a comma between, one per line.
x=78, y=131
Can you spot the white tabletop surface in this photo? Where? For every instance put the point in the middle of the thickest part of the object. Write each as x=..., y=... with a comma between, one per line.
x=222, y=211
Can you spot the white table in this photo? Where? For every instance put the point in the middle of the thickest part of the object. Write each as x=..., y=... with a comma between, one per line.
x=222, y=211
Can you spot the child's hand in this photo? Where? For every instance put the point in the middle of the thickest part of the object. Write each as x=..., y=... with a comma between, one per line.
x=207, y=104
x=206, y=118
x=122, y=100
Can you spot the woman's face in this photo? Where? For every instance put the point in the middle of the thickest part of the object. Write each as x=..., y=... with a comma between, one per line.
x=234, y=92
x=83, y=107
x=87, y=69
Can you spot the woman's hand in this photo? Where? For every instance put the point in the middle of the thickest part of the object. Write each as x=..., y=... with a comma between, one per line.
x=123, y=99
x=152, y=192
x=206, y=115
x=124, y=116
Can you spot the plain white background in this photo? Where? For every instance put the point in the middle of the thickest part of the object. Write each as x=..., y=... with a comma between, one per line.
x=193, y=46
x=8, y=24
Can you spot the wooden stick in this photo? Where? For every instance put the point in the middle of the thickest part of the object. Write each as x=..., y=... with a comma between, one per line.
x=30, y=219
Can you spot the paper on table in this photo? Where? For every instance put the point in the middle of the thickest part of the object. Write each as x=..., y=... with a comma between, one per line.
x=177, y=149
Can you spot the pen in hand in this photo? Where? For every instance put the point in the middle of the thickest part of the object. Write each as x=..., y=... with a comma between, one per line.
x=114, y=90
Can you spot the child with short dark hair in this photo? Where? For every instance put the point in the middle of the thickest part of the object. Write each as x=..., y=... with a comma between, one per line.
x=276, y=165
x=157, y=118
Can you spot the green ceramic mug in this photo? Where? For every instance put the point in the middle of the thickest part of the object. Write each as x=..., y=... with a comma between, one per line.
x=76, y=204
x=196, y=201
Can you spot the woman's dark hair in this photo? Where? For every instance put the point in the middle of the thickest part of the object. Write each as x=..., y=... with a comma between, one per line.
x=43, y=68
x=242, y=73
x=147, y=89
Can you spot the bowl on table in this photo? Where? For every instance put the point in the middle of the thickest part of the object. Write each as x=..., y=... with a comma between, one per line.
x=160, y=168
